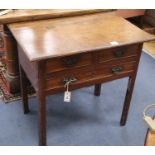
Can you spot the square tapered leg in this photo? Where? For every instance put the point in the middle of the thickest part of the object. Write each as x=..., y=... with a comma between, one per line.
x=23, y=89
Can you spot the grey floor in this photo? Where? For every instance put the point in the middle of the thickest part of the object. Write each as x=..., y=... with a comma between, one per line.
x=87, y=120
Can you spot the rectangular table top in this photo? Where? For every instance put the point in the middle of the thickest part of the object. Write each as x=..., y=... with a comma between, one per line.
x=66, y=36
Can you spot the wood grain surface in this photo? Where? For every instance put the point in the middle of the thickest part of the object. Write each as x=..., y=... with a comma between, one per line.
x=58, y=37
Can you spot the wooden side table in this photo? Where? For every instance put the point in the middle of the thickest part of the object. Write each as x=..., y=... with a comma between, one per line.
x=91, y=49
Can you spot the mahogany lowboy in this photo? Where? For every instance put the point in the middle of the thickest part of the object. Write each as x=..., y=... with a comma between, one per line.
x=52, y=51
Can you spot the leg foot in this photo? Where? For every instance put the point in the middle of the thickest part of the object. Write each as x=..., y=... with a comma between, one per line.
x=97, y=90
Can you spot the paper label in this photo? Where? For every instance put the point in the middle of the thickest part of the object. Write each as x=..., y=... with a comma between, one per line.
x=67, y=96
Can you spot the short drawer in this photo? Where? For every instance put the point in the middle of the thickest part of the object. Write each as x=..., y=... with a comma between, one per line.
x=115, y=69
x=67, y=62
x=58, y=79
x=117, y=53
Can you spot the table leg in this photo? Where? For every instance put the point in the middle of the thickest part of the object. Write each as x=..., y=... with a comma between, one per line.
x=41, y=103
x=97, y=90
x=42, y=118
x=127, y=100
x=23, y=85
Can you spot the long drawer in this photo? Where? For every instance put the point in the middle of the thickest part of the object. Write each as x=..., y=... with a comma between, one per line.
x=88, y=74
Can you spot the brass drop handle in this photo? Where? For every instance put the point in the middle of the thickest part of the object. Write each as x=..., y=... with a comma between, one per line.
x=69, y=80
x=116, y=70
x=119, y=53
x=70, y=61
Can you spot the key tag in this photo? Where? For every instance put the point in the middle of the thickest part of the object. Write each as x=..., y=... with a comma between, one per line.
x=67, y=94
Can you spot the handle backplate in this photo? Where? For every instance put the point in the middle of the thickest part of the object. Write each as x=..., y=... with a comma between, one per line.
x=70, y=61
x=69, y=80
x=116, y=70
x=119, y=52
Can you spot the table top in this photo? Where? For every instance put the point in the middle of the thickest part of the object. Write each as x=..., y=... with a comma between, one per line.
x=66, y=36
x=19, y=15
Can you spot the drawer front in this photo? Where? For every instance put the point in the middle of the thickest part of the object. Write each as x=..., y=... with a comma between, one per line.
x=67, y=62
x=118, y=53
x=115, y=69
x=58, y=79
x=86, y=74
